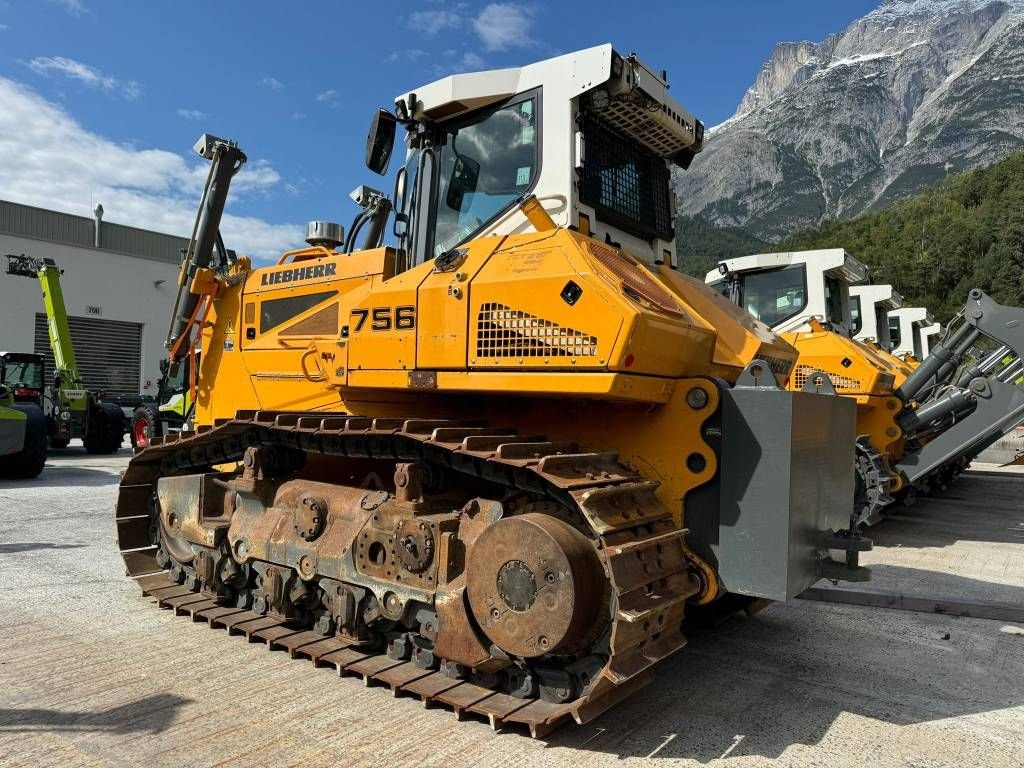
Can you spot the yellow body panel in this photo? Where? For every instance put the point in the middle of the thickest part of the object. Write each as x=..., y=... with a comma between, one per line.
x=861, y=371
x=566, y=336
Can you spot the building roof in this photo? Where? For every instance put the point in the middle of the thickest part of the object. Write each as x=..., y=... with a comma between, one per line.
x=57, y=227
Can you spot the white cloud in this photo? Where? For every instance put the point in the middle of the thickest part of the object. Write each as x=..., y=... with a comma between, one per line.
x=85, y=74
x=58, y=164
x=74, y=7
x=328, y=97
x=299, y=115
x=431, y=22
x=192, y=114
x=472, y=61
x=272, y=83
x=501, y=26
x=3, y=27
x=406, y=54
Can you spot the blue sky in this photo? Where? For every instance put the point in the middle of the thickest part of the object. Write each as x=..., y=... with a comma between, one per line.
x=107, y=96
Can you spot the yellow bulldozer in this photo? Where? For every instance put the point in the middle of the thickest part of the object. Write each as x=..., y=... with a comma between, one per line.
x=920, y=421
x=492, y=463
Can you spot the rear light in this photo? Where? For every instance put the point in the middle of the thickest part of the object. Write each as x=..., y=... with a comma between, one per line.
x=26, y=393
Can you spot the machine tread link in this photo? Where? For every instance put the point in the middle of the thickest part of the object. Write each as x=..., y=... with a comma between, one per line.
x=648, y=570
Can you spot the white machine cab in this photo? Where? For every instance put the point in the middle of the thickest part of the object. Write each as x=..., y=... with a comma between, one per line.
x=787, y=290
x=480, y=143
x=905, y=326
x=870, y=306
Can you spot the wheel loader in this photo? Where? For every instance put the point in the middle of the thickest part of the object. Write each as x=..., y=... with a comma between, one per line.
x=918, y=424
x=493, y=463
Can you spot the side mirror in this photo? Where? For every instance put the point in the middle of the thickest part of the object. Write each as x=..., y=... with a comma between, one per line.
x=465, y=174
x=380, y=141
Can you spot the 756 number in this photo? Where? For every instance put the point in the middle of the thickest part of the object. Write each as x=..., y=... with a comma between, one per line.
x=385, y=318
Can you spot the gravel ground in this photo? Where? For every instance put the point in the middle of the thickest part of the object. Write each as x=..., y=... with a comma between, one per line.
x=91, y=673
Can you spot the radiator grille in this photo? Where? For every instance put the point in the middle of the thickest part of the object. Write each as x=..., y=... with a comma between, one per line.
x=803, y=373
x=322, y=323
x=777, y=364
x=505, y=332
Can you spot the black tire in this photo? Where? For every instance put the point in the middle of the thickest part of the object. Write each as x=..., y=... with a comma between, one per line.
x=105, y=429
x=29, y=463
x=51, y=429
x=145, y=426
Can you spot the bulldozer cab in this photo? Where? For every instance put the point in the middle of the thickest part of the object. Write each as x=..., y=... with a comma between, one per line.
x=906, y=325
x=870, y=307
x=787, y=290
x=477, y=145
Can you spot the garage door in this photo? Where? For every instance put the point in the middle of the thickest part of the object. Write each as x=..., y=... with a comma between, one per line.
x=109, y=352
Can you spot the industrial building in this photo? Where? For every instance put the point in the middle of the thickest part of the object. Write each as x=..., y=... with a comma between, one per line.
x=118, y=285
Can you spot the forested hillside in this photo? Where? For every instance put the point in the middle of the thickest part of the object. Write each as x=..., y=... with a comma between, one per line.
x=965, y=232
x=700, y=246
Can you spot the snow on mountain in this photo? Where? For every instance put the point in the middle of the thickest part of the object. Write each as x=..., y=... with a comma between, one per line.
x=911, y=91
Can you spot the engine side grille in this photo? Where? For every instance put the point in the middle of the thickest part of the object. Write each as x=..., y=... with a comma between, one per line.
x=505, y=332
x=803, y=373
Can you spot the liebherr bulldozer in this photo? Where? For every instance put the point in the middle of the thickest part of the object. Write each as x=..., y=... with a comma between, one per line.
x=492, y=465
x=912, y=329
x=918, y=425
x=871, y=312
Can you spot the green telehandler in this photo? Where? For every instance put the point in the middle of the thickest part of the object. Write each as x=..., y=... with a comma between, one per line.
x=72, y=411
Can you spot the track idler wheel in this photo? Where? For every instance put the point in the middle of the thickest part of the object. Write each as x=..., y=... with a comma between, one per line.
x=535, y=585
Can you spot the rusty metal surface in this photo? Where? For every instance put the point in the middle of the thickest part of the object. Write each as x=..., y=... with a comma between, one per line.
x=535, y=584
x=625, y=521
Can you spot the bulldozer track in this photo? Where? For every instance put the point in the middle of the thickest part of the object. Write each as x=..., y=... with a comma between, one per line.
x=651, y=570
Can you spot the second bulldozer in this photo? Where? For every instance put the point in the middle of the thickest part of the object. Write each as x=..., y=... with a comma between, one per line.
x=918, y=424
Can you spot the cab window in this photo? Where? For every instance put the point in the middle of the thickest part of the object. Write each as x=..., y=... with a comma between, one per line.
x=834, y=301
x=895, y=336
x=776, y=295
x=858, y=322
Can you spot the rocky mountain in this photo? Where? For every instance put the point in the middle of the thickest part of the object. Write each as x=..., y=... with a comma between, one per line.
x=912, y=91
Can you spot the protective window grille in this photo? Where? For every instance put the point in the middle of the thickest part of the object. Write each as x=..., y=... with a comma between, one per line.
x=803, y=373
x=625, y=183
x=505, y=332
